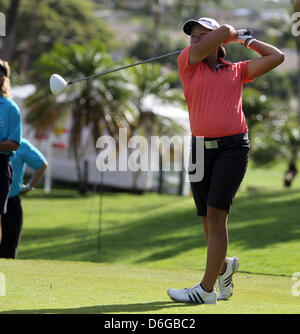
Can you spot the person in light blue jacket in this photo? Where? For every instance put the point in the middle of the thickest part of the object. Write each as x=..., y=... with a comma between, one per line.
x=12, y=221
x=10, y=136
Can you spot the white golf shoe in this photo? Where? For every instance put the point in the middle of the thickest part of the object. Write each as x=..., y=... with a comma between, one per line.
x=225, y=280
x=193, y=295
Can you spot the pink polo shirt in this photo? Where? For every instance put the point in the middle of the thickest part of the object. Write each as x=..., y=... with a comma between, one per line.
x=214, y=98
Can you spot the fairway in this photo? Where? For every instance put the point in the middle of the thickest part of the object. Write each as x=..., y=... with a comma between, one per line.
x=74, y=260
x=56, y=287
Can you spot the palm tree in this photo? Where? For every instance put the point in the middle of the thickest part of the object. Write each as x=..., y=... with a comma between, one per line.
x=149, y=81
x=107, y=104
x=102, y=105
x=31, y=37
x=44, y=111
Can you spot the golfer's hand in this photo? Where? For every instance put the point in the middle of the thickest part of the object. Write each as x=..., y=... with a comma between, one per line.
x=24, y=190
x=232, y=33
x=243, y=35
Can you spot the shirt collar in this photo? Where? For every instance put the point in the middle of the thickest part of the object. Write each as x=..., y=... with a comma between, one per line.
x=225, y=62
x=222, y=63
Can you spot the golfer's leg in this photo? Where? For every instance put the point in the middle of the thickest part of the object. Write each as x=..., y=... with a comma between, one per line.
x=11, y=229
x=16, y=220
x=205, y=228
x=216, y=247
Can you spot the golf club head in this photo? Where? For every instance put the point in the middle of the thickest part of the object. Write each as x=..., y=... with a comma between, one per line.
x=57, y=84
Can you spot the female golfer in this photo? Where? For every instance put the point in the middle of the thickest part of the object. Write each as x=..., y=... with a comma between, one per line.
x=10, y=135
x=213, y=92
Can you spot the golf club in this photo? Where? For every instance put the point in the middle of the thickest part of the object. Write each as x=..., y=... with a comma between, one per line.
x=58, y=83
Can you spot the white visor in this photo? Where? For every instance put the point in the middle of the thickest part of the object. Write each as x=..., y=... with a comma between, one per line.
x=206, y=22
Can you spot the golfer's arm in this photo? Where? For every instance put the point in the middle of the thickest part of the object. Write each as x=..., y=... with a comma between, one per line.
x=209, y=43
x=8, y=145
x=38, y=175
x=270, y=58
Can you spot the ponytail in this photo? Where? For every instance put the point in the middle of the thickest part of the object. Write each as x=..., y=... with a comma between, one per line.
x=4, y=79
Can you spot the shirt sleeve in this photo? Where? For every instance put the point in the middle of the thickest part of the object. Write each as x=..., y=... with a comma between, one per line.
x=14, y=124
x=33, y=157
x=244, y=71
x=183, y=60
x=184, y=68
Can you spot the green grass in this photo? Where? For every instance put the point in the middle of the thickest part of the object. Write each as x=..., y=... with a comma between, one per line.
x=55, y=287
x=161, y=231
x=269, y=178
x=151, y=242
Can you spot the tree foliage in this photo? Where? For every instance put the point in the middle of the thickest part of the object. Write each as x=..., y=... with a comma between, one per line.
x=104, y=104
x=67, y=22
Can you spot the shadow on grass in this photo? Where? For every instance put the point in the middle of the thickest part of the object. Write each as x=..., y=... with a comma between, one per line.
x=256, y=221
x=105, y=309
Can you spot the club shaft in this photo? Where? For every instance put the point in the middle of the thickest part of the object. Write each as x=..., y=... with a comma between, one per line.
x=123, y=67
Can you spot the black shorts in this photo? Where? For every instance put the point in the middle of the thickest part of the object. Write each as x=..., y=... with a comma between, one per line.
x=11, y=224
x=6, y=174
x=224, y=170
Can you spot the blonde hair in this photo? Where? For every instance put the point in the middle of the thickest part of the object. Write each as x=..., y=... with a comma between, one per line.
x=4, y=79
